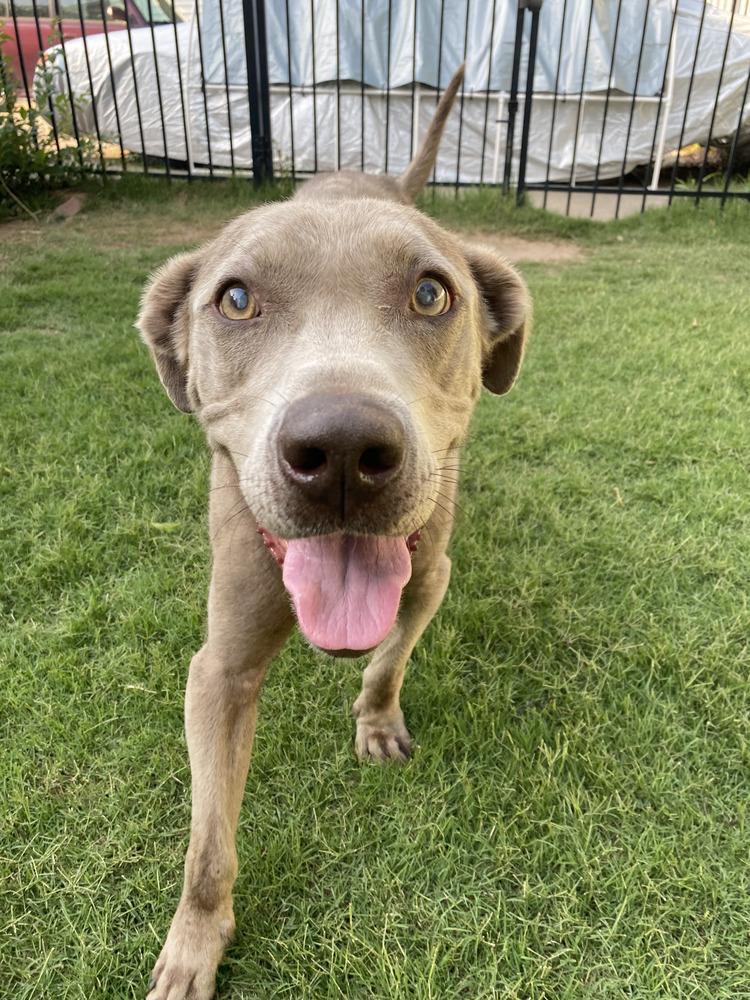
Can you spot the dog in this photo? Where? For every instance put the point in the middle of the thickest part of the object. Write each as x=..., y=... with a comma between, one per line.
x=333, y=346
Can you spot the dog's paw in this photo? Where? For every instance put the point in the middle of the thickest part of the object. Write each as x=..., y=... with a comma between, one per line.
x=383, y=739
x=186, y=968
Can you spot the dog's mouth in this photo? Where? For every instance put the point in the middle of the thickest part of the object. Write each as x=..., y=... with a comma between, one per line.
x=346, y=589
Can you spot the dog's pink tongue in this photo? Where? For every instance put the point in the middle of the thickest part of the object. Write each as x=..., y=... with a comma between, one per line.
x=346, y=588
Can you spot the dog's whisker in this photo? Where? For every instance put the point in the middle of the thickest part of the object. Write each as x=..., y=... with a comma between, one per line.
x=244, y=507
x=243, y=510
x=280, y=393
x=442, y=520
x=443, y=480
x=453, y=507
x=237, y=502
x=238, y=244
x=444, y=476
x=413, y=402
x=453, y=501
x=235, y=484
x=440, y=506
x=228, y=486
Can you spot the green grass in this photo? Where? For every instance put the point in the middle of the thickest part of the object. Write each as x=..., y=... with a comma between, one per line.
x=575, y=822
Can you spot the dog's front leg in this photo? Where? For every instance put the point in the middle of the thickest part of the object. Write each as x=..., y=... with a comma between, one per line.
x=248, y=620
x=220, y=715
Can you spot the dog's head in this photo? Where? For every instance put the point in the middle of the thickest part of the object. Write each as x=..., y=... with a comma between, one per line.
x=336, y=353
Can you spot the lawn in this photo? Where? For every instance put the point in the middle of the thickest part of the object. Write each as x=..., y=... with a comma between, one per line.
x=575, y=822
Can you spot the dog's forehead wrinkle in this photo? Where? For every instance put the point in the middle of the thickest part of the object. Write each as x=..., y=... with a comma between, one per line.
x=369, y=238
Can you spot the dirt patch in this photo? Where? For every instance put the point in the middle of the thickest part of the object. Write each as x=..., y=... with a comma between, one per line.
x=538, y=251
x=173, y=232
x=18, y=230
x=124, y=234
x=121, y=231
x=189, y=235
x=116, y=231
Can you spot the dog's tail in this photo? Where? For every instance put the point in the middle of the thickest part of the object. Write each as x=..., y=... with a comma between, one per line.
x=415, y=176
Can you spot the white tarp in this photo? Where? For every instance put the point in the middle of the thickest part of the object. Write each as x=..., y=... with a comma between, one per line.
x=344, y=125
x=400, y=48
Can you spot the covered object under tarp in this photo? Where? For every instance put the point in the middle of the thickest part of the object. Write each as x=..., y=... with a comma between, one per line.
x=615, y=84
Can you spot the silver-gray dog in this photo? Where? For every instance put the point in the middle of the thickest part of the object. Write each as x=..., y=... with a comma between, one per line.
x=333, y=347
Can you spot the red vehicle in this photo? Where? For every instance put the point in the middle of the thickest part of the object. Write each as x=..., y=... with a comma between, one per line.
x=35, y=25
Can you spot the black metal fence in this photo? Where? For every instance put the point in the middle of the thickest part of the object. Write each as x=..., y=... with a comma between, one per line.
x=562, y=98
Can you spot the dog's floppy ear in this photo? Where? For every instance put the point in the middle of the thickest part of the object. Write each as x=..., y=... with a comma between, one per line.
x=164, y=324
x=507, y=309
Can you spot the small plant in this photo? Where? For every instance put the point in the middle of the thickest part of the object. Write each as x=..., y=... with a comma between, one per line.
x=32, y=160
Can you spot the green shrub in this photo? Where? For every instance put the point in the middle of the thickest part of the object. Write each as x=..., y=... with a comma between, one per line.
x=32, y=159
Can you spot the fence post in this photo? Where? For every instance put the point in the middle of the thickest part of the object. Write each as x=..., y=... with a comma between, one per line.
x=256, y=56
x=534, y=6
x=513, y=97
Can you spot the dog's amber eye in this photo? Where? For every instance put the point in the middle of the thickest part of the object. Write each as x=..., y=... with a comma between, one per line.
x=430, y=297
x=238, y=303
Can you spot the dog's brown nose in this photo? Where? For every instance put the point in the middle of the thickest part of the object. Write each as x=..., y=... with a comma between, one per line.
x=341, y=450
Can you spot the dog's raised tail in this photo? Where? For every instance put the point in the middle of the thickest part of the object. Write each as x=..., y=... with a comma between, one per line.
x=415, y=176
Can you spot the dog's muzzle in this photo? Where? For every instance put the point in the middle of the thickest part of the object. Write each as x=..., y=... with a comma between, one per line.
x=339, y=453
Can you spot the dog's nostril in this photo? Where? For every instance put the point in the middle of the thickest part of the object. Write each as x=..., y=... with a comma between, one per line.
x=341, y=450
x=308, y=461
x=376, y=461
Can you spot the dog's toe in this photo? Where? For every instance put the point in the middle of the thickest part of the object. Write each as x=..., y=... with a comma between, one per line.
x=181, y=984
x=383, y=743
x=186, y=968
